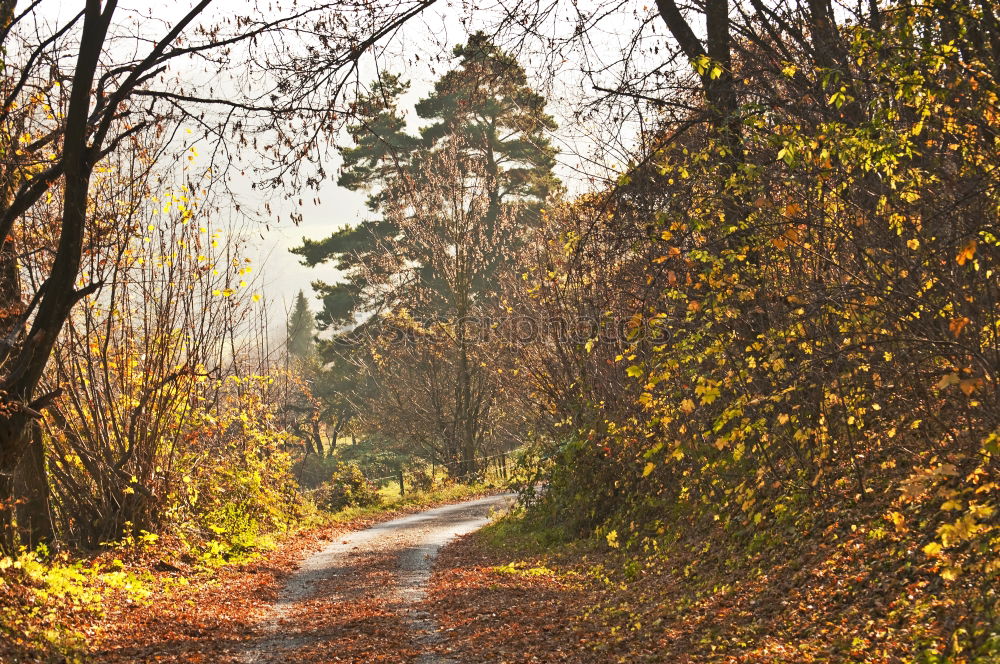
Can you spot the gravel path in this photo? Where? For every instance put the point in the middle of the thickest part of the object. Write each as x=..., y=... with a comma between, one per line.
x=354, y=600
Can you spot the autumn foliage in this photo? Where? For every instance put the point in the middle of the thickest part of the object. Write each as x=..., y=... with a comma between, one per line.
x=751, y=385
x=813, y=322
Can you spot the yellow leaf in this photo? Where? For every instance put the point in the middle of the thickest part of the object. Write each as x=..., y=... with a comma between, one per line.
x=898, y=520
x=650, y=467
x=950, y=573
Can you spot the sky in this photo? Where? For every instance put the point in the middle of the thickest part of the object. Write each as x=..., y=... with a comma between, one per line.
x=421, y=52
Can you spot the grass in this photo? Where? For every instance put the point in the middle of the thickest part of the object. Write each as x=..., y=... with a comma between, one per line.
x=516, y=534
x=392, y=502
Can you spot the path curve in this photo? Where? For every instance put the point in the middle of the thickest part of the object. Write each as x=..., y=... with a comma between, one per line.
x=354, y=600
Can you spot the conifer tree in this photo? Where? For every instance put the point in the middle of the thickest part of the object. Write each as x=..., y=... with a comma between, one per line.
x=484, y=114
x=448, y=208
x=300, y=328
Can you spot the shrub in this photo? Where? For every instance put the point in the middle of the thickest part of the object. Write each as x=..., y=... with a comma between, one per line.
x=311, y=471
x=421, y=480
x=347, y=487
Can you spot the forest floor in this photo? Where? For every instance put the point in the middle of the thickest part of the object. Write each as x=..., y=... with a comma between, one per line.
x=847, y=593
x=387, y=590
x=146, y=604
x=330, y=596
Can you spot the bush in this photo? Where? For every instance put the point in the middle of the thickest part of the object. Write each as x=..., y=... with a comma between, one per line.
x=421, y=480
x=347, y=487
x=312, y=471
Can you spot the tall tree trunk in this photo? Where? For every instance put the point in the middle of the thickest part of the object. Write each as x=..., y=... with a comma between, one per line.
x=31, y=490
x=338, y=426
x=317, y=434
x=461, y=406
x=24, y=368
x=717, y=86
x=464, y=428
x=27, y=488
x=11, y=328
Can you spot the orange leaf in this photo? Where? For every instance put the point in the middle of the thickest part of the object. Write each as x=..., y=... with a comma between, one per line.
x=958, y=324
x=969, y=385
x=966, y=253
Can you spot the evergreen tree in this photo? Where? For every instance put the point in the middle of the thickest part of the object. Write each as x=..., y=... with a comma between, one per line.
x=300, y=328
x=448, y=208
x=483, y=114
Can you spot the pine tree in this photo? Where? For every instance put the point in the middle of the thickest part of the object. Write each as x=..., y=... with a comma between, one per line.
x=448, y=208
x=483, y=114
x=300, y=328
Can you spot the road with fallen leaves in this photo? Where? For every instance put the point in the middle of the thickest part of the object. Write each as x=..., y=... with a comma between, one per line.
x=357, y=600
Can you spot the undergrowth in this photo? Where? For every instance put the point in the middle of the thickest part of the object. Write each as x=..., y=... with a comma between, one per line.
x=821, y=585
x=51, y=604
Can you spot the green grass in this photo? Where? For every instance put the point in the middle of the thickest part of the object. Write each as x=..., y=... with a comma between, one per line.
x=515, y=534
x=393, y=502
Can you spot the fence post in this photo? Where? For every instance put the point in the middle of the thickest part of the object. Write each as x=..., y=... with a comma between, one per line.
x=402, y=488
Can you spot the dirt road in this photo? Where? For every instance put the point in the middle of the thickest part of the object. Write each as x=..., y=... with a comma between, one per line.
x=354, y=600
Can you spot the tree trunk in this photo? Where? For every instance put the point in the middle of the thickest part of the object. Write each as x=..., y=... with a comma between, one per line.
x=338, y=426
x=31, y=488
x=25, y=366
x=719, y=90
x=317, y=435
x=465, y=424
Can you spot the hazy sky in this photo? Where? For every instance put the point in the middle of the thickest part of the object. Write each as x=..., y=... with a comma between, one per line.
x=420, y=51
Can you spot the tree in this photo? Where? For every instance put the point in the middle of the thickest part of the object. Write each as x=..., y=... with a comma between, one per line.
x=494, y=124
x=72, y=98
x=302, y=409
x=867, y=190
x=145, y=366
x=300, y=329
x=451, y=203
